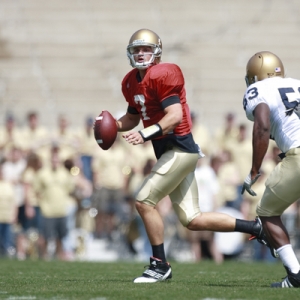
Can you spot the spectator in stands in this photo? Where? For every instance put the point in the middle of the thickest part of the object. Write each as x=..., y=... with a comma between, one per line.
x=85, y=219
x=65, y=137
x=202, y=242
x=138, y=157
x=10, y=136
x=87, y=147
x=8, y=213
x=32, y=207
x=241, y=150
x=229, y=179
x=82, y=189
x=202, y=135
x=53, y=186
x=109, y=183
x=36, y=137
x=226, y=134
x=13, y=169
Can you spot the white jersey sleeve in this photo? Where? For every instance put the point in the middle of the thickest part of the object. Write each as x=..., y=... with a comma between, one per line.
x=282, y=95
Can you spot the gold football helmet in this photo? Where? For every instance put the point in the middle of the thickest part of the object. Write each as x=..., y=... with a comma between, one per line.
x=145, y=37
x=263, y=65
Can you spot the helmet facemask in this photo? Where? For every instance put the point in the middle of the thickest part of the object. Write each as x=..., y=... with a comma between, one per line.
x=156, y=53
x=251, y=80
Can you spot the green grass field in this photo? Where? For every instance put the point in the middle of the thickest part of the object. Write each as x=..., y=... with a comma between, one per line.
x=100, y=281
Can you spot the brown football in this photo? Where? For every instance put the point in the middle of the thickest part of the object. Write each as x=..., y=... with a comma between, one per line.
x=105, y=130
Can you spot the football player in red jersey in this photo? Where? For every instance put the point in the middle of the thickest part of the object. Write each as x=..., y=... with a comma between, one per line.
x=155, y=94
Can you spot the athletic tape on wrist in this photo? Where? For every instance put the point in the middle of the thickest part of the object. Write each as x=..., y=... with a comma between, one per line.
x=151, y=132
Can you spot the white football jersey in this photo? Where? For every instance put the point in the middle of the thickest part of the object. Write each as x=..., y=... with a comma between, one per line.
x=282, y=95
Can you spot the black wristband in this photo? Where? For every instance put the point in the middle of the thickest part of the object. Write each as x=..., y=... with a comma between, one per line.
x=151, y=132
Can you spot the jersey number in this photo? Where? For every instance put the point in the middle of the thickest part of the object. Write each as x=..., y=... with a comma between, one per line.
x=290, y=101
x=140, y=99
x=253, y=93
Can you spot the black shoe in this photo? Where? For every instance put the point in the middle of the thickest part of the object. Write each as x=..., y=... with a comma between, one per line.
x=290, y=281
x=156, y=271
x=260, y=236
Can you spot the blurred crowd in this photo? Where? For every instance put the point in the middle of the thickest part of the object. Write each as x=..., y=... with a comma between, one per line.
x=59, y=190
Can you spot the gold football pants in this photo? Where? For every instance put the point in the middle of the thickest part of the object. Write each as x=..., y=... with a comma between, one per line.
x=173, y=175
x=282, y=186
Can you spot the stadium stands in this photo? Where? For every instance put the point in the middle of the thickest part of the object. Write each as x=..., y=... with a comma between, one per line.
x=69, y=56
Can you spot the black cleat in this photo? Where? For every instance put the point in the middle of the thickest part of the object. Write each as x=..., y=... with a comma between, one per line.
x=260, y=236
x=156, y=271
x=290, y=281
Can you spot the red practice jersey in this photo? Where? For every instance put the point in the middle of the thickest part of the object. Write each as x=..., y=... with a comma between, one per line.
x=162, y=85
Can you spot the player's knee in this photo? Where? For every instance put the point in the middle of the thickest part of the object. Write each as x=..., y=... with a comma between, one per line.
x=186, y=216
x=138, y=206
x=141, y=207
x=192, y=226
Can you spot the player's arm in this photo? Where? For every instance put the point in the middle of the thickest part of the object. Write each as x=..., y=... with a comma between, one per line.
x=173, y=116
x=261, y=135
x=260, y=142
x=171, y=119
x=128, y=121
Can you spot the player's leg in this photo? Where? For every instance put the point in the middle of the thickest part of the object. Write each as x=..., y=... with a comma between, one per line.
x=168, y=172
x=275, y=231
x=282, y=189
x=213, y=221
x=278, y=237
x=186, y=205
x=153, y=223
x=159, y=269
x=166, y=175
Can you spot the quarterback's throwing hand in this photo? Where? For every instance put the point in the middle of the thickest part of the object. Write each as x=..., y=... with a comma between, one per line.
x=248, y=183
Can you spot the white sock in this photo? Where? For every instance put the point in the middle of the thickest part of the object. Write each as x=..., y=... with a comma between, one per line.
x=288, y=258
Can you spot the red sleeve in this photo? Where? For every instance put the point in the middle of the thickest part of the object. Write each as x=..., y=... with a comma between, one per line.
x=167, y=80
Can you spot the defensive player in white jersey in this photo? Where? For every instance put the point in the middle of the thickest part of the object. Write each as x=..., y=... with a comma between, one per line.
x=271, y=101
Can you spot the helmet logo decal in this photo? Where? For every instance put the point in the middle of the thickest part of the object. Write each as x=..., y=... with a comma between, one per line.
x=278, y=69
x=138, y=41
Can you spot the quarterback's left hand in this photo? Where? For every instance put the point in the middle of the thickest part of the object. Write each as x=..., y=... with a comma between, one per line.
x=248, y=182
x=133, y=138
